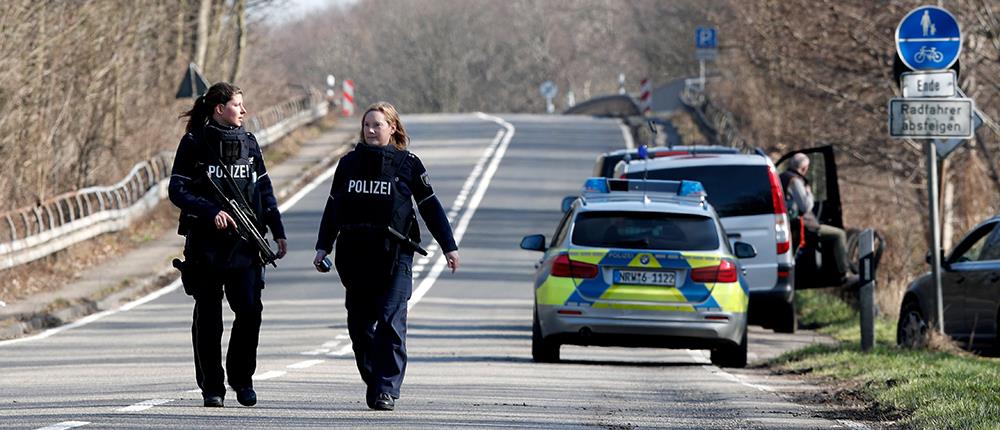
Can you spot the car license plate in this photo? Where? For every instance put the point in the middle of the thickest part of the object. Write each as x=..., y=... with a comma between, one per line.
x=644, y=277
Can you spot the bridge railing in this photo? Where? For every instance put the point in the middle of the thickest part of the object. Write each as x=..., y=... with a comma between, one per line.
x=33, y=232
x=718, y=125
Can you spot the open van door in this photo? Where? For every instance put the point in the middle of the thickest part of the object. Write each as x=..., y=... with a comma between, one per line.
x=814, y=261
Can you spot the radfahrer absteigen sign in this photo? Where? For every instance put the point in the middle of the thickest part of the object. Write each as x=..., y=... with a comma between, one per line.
x=928, y=41
x=931, y=118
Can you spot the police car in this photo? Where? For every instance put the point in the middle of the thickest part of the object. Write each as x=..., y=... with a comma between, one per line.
x=640, y=263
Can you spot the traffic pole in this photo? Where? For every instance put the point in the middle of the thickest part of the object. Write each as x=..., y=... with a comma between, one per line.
x=348, y=105
x=645, y=96
x=866, y=265
x=932, y=203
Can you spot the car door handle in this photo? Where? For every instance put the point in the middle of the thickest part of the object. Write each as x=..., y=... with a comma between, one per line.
x=994, y=278
x=960, y=280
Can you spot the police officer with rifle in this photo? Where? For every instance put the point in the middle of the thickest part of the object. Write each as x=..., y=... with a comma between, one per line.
x=227, y=204
x=370, y=214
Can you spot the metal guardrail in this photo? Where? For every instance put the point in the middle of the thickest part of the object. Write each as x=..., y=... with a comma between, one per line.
x=33, y=232
x=718, y=125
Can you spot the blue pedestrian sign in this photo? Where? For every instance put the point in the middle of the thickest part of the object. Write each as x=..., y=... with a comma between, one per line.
x=704, y=38
x=928, y=38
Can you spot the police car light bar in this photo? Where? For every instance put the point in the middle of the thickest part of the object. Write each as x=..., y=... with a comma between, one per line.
x=683, y=188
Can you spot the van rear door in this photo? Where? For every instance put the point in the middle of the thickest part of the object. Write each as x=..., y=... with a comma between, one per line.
x=741, y=195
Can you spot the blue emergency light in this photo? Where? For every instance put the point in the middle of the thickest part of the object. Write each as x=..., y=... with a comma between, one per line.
x=683, y=188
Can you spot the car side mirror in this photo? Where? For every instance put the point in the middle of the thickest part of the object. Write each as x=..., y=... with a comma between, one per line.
x=567, y=203
x=744, y=250
x=534, y=242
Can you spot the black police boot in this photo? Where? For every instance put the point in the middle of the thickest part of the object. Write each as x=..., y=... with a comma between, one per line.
x=246, y=396
x=212, y=401
x=384, y=402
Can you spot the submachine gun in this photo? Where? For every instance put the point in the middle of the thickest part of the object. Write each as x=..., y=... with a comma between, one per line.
x=246, y=220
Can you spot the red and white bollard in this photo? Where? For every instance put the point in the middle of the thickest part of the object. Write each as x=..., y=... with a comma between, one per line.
x=645, y=96
x=348, y=105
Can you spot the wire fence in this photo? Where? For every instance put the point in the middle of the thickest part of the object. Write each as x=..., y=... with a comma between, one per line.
x=30, y=233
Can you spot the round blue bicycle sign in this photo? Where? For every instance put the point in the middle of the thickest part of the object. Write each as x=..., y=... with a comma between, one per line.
x=928, y=38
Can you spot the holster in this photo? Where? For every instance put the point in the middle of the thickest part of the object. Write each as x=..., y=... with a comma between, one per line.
x=190, y=274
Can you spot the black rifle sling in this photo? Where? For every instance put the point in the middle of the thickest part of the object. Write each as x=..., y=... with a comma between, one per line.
x=263, y=247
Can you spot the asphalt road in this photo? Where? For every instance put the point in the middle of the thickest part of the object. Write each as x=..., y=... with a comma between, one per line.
x=469, y=332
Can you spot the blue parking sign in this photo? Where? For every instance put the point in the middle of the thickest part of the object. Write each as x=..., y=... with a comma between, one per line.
x=704, y=38
x=928, y=38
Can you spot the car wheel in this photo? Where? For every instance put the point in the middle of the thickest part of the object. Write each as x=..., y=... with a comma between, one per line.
x=542, y=351
x=911, y=331
x=731, y=355
x=785, y=320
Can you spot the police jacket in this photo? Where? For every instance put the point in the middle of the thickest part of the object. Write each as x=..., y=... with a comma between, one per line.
x=201, y=157
x=374, y=188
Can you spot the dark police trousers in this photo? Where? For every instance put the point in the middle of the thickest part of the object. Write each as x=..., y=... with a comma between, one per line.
x=242, y=291
x=376, y=321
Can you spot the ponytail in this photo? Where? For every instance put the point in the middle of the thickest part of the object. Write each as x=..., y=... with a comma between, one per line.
x=219, y=94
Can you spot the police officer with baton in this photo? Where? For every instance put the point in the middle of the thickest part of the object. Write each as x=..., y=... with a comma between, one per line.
x=221, y=186
x=370, y=214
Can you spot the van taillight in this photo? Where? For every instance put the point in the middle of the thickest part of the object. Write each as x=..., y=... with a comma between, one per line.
x=781, y=233
x=564, y=267
x=724, y=272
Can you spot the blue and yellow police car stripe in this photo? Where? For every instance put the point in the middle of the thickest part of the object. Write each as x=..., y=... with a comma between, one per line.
x=689, y=297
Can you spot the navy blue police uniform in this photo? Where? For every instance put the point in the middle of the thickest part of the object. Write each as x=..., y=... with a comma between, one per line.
x=374, y=189
x=219, y=261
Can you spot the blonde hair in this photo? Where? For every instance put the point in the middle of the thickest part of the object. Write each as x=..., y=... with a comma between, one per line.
x=399, y=139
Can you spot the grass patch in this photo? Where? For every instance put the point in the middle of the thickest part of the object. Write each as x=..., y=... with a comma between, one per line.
x=933, y=389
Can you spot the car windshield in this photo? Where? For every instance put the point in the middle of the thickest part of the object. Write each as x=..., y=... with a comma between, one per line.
x=732, y=190
x=645, y=230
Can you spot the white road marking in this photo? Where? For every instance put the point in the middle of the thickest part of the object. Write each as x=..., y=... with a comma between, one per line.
x=94, y=317
x=726, y=375
x=342, y=351
x=269, y=375
x=699, y=356
x=145, y=404
x=65, y=425
x=316, y=351
x=304, y=364
x=494, y=153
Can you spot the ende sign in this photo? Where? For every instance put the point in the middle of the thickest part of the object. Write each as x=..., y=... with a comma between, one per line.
x=929, y=84
x=931, y=118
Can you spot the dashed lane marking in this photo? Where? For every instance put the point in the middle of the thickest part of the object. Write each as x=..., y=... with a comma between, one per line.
x=304, y=364
x=145, y=404
x=65, y=425
x=269, y=375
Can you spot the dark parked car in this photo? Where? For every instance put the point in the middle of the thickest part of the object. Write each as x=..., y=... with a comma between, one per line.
x=970, y=289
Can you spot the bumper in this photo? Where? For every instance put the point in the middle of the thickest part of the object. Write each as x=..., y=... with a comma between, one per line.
x=782, y=292
x=617, y=327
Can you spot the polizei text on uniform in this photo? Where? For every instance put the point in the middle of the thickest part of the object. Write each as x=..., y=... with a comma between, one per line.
x=236, y=170
x=368, y=187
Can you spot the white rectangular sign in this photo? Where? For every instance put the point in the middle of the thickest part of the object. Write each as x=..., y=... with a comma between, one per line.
x=929, y=84
x=931, y=118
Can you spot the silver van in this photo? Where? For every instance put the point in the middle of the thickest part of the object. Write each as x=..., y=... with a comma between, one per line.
x=747, y=194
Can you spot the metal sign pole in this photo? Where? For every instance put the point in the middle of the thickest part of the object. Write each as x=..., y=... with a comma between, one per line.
x=932, y=194
x=701, y=75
